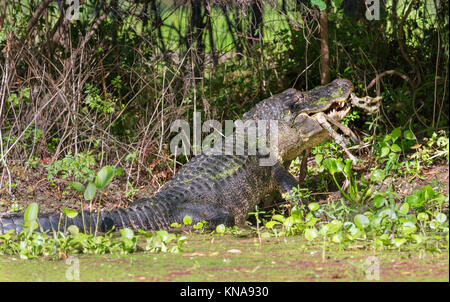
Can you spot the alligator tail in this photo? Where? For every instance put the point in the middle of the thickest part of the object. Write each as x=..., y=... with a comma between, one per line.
x=146, y=217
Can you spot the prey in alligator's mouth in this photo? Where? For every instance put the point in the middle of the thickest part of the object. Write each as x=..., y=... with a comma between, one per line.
x=328, y=105
x=338, y=110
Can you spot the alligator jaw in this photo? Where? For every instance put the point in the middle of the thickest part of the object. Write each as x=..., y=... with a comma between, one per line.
x=340, y=113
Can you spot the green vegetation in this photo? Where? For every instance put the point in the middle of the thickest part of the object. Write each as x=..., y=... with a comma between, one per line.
x=388, y=222
x=86, y=107
x=69, y=240
x=29, y=245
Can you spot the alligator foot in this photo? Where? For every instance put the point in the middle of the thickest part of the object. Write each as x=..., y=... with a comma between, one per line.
x=323, y=121
x=285, y=181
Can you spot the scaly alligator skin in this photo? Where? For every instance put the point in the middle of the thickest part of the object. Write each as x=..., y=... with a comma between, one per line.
x=223, y=189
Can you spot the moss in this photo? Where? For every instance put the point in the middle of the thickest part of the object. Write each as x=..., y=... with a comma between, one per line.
x=322, y=101
x=338, y=93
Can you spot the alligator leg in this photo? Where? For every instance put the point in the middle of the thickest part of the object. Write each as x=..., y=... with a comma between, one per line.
x=321, y=118
x=285, y=181
x=202, y=211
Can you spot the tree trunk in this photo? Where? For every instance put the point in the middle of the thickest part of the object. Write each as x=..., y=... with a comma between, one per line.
x=210, y=33
x=197, y=28
x=256, y=33
x=324, y=49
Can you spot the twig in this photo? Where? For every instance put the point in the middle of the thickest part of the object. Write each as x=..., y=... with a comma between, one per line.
x=390, y=72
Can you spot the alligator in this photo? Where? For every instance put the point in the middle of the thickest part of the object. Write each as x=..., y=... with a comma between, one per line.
x=224, y=188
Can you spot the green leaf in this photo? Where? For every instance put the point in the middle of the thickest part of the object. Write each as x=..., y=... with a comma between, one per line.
x=337, y=238
x=378, y=201
x=417, y=237
x=355, y=232
x=320, y=3
x=393, y=156
x=348, y=225
x=334, y=226
x=104, y=177
x=396, y=133
x=440, y=217
x=279, y=218
x=311, y=234
x=31, y=214
x=77, y=186
x=422, y=216
x=187, y=220
x=385, y=151
x=389, y=213
x=220, y=229
x=313, y=206
x=330, y=165
x=163, y=235
x=30, y=217
x=319, y=158
x=429, y=192
x=289, y=222
x=296, y=213
x=311, y=220
x=399, y=241
x=71, y=213
x=182, y=239
x=395, y=148
x=340, y=165
x=127, y=233
x=361, y=221
x=434, y=224
x=348, y=167
x=271, y=224
x=90, y=191
x=377, y=175
x=198, y=225
x=409, y=135
x=324, y=230
x=118, y=172
x=73, y=230
x=404, y=208
x=414, y=201
x=408, y=227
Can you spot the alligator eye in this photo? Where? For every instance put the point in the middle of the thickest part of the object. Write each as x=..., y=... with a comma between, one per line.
x=300, y=95
x=289, y=103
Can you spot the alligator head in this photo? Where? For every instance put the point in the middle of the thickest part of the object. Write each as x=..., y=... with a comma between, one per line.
x=303, y=117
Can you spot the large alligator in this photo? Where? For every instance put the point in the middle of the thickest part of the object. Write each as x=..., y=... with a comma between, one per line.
x=223, y=189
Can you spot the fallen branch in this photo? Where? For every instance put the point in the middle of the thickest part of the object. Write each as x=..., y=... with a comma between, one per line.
x=389, y=72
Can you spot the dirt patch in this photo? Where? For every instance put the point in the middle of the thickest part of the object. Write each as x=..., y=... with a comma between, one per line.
x=52, y=196
x=437, y=176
